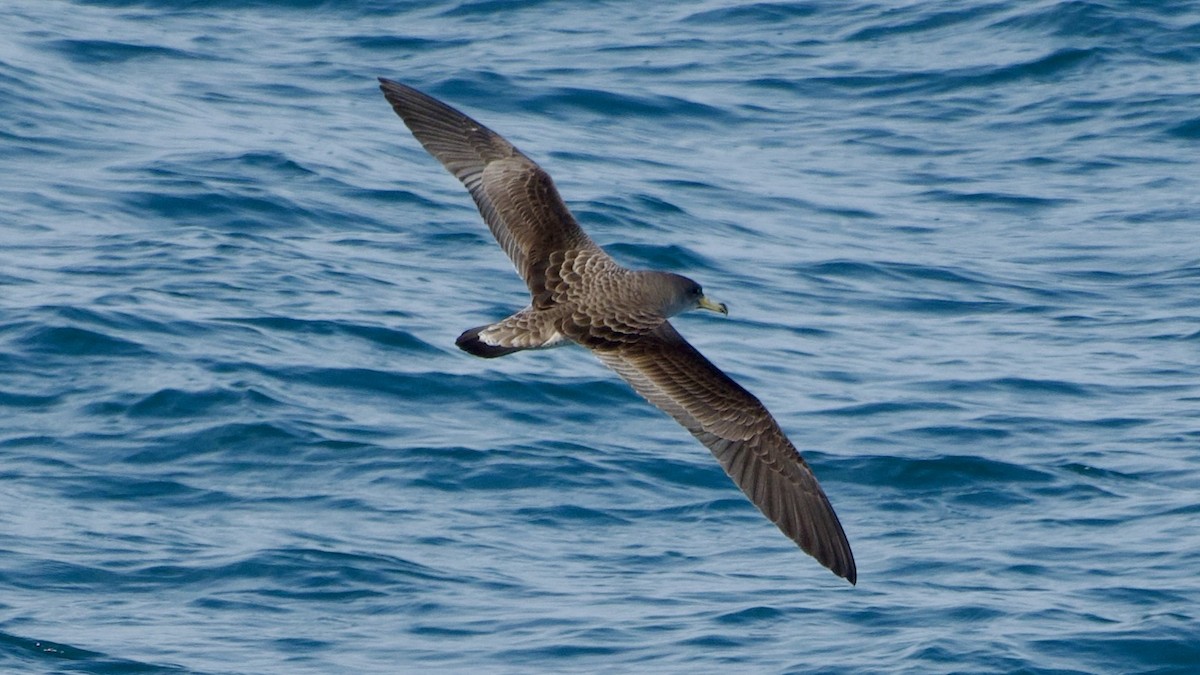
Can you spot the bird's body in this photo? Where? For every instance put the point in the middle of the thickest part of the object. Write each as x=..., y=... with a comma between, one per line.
x=580, y=295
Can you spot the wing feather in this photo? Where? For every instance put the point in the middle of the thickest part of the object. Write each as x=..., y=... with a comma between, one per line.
x=743, y=436
x=516, y=198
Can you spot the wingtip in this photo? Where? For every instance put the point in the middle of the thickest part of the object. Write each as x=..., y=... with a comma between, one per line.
x=851, y=575
x=844, y=568
x=386, y=85
x=843, y=564
x=394, y=90
x=828, y=544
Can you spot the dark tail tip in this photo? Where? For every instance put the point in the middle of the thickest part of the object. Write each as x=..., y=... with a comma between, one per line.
x=469, y=342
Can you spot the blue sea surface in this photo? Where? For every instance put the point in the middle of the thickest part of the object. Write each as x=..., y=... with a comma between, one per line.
x=960, y=242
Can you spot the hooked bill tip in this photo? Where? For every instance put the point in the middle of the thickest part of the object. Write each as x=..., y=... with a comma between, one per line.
x=711, y=306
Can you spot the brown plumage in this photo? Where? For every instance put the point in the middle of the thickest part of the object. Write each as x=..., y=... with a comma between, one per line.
x=579, y=294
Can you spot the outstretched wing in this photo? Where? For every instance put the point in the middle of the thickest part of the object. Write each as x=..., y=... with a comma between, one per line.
x=743, y=436
x=516, y=197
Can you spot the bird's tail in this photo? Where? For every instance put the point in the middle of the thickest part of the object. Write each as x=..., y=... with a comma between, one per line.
x=472, y=343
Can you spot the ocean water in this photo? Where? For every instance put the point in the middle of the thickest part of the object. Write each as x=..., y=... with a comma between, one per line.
x=960, y=242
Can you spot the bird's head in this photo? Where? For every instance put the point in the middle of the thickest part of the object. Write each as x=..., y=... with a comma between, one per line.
x=683, y=294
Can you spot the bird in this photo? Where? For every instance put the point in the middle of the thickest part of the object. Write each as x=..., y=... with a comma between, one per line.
x=580, y=295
